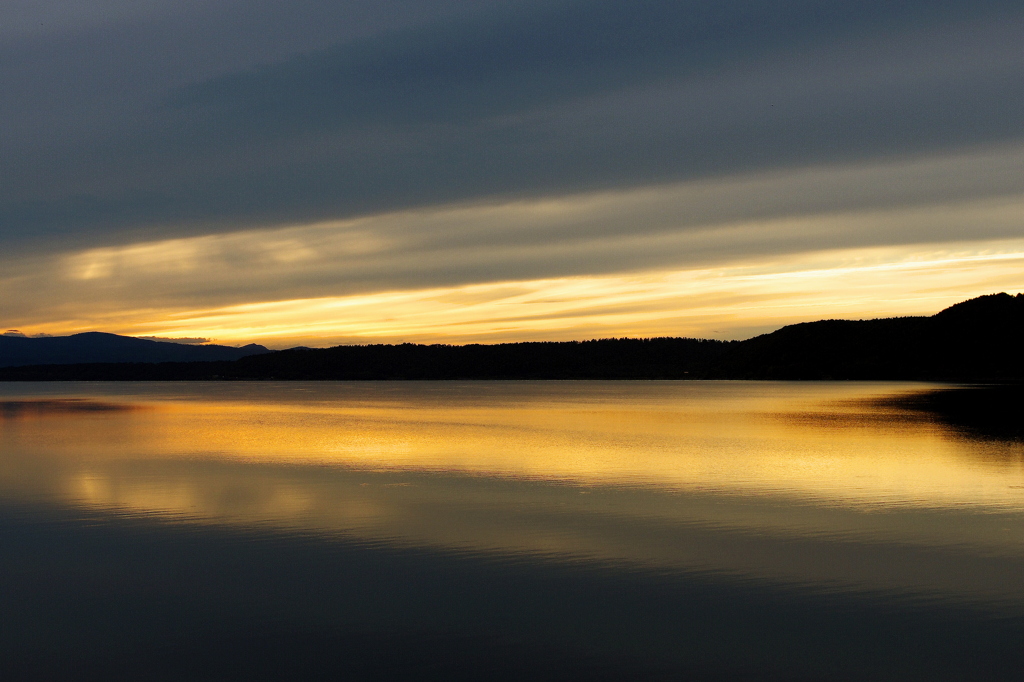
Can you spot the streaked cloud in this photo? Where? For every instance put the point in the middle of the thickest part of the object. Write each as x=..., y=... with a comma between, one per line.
x=310, y=151
x=733, y=301
x=722, y=258
x=392, y=109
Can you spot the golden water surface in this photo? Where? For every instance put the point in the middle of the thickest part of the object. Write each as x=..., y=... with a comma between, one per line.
x=814, y=484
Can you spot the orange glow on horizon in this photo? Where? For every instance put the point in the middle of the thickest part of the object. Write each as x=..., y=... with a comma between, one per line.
x=725, y=258
x=735, y=300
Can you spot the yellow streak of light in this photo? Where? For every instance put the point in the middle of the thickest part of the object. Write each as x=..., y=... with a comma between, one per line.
x=724, y=258
x=700, y=302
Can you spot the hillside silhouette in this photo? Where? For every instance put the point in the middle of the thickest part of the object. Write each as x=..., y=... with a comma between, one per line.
x=98, y=347
x=974, y=341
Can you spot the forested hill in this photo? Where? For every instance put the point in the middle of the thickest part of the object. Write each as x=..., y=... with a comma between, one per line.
x=975, y=341
x=666, y=358
x=669, y=358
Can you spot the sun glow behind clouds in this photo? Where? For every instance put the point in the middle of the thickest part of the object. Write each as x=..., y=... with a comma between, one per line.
x=732, y=301
x=723, y=258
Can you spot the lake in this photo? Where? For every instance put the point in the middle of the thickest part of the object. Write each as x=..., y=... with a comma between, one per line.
x=504, y=530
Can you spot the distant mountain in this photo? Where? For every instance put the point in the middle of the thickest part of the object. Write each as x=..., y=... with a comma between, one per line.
x=980, y=340
x=94, y=347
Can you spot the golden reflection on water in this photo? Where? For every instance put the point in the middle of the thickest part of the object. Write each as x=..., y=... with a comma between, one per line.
x=821, y=440
x=809, y=482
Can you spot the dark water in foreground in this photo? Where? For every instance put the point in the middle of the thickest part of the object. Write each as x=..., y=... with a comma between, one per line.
x=499, y=531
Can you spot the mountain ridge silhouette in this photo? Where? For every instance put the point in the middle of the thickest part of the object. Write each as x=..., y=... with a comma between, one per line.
x=101, y=347
x=977, y=340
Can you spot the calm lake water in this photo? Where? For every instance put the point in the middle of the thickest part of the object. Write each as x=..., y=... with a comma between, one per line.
x=504, y=530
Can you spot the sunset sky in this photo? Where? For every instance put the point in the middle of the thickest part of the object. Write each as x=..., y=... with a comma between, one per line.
x=319, y=172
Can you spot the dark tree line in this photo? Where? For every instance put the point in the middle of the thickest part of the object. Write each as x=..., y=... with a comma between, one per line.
x=976, y=341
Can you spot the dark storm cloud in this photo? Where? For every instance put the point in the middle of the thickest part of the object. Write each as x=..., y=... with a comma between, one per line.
x=227, y=115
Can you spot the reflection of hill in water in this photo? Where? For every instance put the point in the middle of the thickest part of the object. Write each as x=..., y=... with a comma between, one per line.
x=987, y=412
x=20, y=409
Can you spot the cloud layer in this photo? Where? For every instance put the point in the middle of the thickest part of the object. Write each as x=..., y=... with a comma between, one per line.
x=160, y=153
